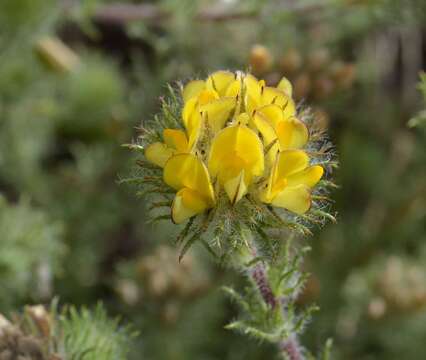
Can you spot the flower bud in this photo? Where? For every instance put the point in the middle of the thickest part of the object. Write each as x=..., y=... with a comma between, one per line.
x=323, y=87
x=318, y=59
x=260, y=59
x=290, y=62
x=302, y=86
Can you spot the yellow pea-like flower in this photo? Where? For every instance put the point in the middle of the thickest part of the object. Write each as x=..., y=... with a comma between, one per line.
x=278, y=132
x=219, y=81
x=218, y=112
x=273, y=112
x=240, y=136
x=291, y=132
x=257, y=94
x=192, y=89
x=236, y=158
x=175, y=141
x=290, y=181
x=188, y=174
x=216, y=83
x=205, y=103
x=285, y=85
x=158, y=153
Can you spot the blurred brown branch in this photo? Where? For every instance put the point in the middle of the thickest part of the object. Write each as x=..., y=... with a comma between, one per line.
x=122, y=13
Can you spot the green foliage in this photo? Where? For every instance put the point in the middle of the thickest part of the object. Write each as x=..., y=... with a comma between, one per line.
x=31, y=248
x=71, y=333
x=420, y=119
x=92, y=335
x=18, y=18
x=94, y=95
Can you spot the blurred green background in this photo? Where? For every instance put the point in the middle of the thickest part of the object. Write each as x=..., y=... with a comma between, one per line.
x=78, y=77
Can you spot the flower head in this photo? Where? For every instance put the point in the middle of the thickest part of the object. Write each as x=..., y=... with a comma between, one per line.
x=233, y=145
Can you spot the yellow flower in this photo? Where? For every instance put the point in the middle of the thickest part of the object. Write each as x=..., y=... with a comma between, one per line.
x=217, y=82
x=188, y=174
x=236, y=157
x=290, y=182
x=248, y=135
x=275, y=126
x=175, y=141
x=272, y=112
x=205, y=102
x=275, y=109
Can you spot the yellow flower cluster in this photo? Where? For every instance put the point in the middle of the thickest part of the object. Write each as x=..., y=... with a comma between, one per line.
x=240, y=136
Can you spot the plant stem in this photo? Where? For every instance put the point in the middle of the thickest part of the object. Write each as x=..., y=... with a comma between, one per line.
x=290, y=346
x=258, y=274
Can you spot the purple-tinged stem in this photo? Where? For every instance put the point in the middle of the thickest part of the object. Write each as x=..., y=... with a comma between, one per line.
x=258, y=274
x=289, y=346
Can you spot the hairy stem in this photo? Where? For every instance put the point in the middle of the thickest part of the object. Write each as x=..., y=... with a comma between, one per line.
x=258, y=274
x=290, y=346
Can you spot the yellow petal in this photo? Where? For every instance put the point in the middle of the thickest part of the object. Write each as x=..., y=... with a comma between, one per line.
x=158, y=153
x=236, y=142
x=294, y=198
x=253, y=92
x=186, y=204
x=188, y=110
x=194, y=129
x=309, y=177
x=264, y=127
x=188, y=171
x=234, y=88
x=193, y=89
x=287, y=163
x=271, y=95
x=243, y=119
x=175, y=139
x=207, y=96
x=219, y=81
x=273, y=113
x=236, y=187
x=285, y=85
x=218, y=112
x=292, y=133
x=275, y=96
x=269, y=136
x=290, y=162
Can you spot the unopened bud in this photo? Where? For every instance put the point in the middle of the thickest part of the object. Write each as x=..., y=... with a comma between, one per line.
x=302, y=86
x=260, y=59
x=323, y=87
x=345, y=75
x=318, y=59
x=290, y=62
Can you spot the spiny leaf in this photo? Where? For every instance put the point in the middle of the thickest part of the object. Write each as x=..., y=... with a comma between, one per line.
x=158, y=219
x=326, y=354
x=185, y=230
x=209, y=248
x=159, y=204
x=188, y=244
x=237, y=298
x=134, y=147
